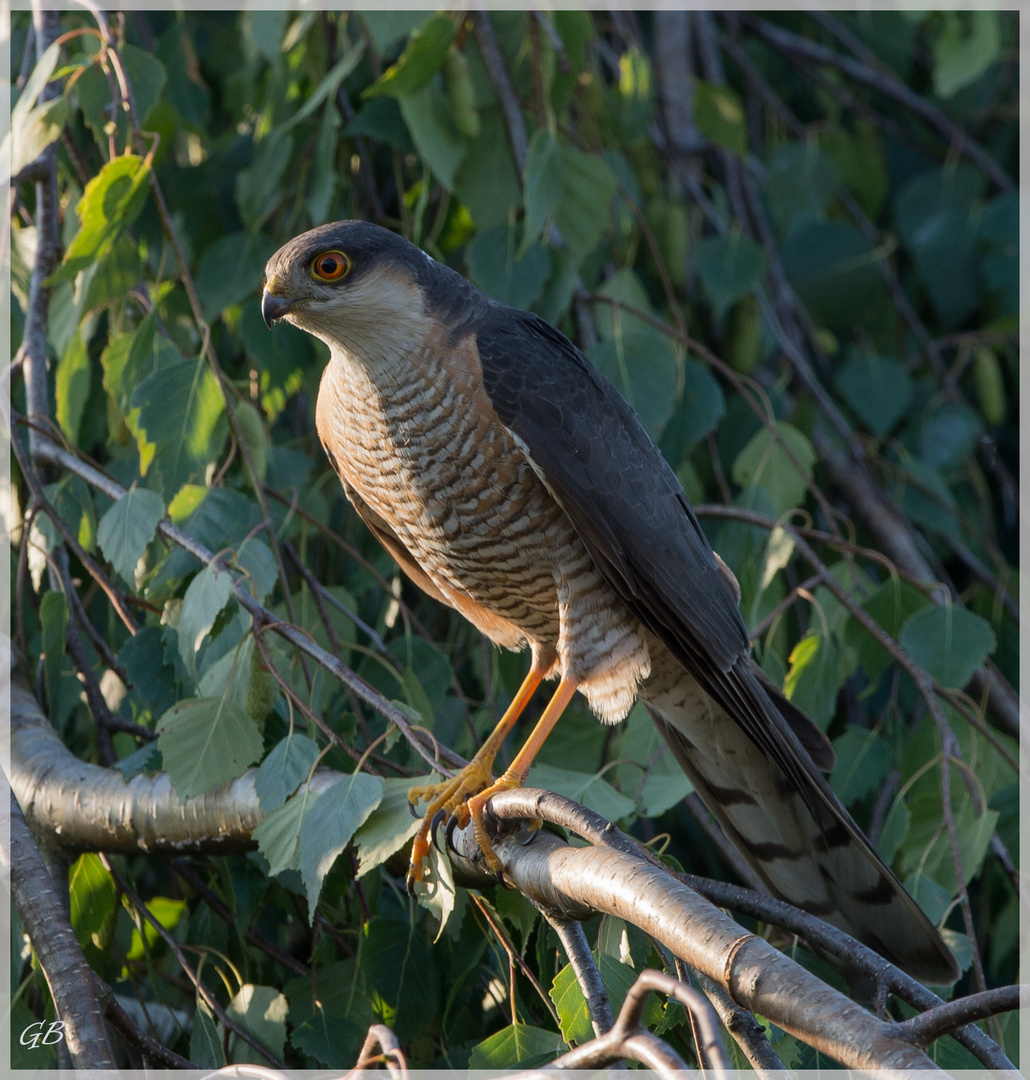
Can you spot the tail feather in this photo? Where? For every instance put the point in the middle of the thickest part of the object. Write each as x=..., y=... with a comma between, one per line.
x=794, y=832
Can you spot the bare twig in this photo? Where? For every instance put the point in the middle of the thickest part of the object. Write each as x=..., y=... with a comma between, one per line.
x=209, y=999
x=379, y=1035
x=885, y=83
x=944, y=1019
x=577, y=949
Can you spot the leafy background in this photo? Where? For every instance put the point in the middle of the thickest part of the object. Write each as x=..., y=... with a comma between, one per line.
x=785, y=239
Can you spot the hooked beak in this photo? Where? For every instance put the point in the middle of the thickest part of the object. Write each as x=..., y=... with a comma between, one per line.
x=274, y=307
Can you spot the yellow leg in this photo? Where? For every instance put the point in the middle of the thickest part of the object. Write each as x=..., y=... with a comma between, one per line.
x=515, y=776
x=449, y=796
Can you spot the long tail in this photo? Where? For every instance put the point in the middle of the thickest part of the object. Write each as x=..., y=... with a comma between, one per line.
x=793, y=831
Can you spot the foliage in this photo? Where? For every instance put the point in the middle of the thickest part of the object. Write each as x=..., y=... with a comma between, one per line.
x=643, y=226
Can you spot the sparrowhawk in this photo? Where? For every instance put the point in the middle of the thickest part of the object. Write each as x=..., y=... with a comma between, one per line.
x=510, y=480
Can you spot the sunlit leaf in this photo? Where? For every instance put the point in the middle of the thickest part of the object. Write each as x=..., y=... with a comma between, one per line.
x=206, y=742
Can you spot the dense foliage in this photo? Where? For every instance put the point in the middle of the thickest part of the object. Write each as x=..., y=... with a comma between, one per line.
x=790, y=241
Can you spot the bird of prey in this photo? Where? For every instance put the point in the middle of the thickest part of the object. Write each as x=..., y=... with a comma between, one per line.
x=510, y=480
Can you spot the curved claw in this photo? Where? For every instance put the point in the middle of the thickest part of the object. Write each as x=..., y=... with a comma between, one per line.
x=413, y=809
x=434, y=824
x=452, y=824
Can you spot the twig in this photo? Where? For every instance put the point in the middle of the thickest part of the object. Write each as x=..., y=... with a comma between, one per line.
x=803, y=49
x=629, y=1039
x=183, y=868
x=209, y=999
x=577, y=949
x=509, y=103
x=923, y=1029
x=59, y=456
x=47, y=218
x=379, y=1035
x=133, y=1035
x=530, y=803
x=746, y=1031
x=29, y=473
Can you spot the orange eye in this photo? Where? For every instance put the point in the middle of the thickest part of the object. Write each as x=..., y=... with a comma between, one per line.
x=331, y=266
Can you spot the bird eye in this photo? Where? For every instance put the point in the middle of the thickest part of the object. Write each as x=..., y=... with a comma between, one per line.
x=331, y=266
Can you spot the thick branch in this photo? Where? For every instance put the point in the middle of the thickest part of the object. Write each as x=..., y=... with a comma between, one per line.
x=576, y=882
x=60, y=955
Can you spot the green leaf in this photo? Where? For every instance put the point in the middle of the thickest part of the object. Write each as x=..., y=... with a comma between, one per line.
x=72, y=386
x=390, y=825
x=587, y=188
x=288, y=764
x=230, y=270
x=938, y=217
x=495, y=266
x=894, y=831
x=728, y=267
x=802, y=180
x=515, y=1045
x=34, y=127
x=111, y=202
x=427, y=114
x=421, y=60
x=330, y=83
x=877, y=390
x=93, y=897
x=815, y=677
x=330, y=1014
x=969, y=42
x=328, y=826
x=863, y=762
x=261, y=1011
x=892, y=603
x=949, y=434
x=205, y=743
x=642, y=366
x=486, y=180
x=542, y=183
x=388, y=27
x=206, y=1040
x=833, y=268
x=435, y=889
x=278, y=835
x=764, y=461
x=127, y=528
x=38, y=129
x=571, y=1005
x=948, y=643
x=181, y=415
x=647, y=771
x=53, y=618
x=590, y=789
x=146, y=75
x=399, y=968
x=259, y=188
x=207, y=595
x=255, y=557
x=720, y=116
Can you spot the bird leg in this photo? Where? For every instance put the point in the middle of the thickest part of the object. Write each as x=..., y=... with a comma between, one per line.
x=449, y=796
x=515, y=775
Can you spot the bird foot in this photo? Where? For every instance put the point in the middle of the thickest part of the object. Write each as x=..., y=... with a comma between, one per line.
x=448, y=800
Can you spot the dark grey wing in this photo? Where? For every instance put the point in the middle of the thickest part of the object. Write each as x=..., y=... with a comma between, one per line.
x=630, y=510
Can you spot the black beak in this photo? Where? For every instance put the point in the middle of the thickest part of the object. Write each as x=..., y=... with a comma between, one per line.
x=274, y=307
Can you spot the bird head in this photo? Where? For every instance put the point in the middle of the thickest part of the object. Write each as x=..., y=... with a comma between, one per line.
x=359, y=288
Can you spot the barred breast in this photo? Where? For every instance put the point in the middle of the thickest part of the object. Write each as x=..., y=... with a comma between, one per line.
x=416, y=440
